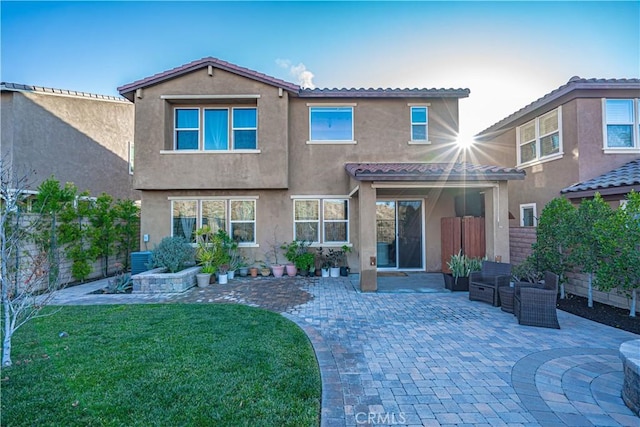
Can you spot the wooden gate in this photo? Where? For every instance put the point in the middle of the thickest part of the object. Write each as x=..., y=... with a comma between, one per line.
x=466, y=234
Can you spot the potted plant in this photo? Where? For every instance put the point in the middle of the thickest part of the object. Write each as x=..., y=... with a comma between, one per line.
x=322, y=263
x=221, y=257
x=293, y=251
x=344, y=268
x=334, y=262
x=461, y=267
x=306, y=263
x=265, y=271
x=243, y=267
x=223, y=276
x=205, y=255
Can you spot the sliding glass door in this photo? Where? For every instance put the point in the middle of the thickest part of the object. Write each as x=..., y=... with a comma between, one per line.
x=399, y=234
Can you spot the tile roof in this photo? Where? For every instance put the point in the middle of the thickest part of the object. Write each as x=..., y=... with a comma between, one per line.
x=383, y=93
x=201, y=63
x=575, y=83
x=17, y=87
x=624, y=176
x=128, y=89
x=430, y=172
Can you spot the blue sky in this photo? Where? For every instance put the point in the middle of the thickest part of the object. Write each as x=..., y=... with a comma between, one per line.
x=507, y=53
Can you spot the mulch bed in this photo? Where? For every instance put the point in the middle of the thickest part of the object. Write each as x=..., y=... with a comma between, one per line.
x=601, y=313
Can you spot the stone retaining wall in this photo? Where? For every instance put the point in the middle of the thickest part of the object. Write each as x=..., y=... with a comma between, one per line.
x=157, y=280
x=630, y=355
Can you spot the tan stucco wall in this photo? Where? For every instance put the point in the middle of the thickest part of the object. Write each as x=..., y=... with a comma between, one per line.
x=76, y=139
x=179, y=170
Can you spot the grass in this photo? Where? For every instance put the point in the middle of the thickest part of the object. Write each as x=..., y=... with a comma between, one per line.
x=151, y=365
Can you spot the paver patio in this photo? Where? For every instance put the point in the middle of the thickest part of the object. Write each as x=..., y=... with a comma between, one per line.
x=432, y=358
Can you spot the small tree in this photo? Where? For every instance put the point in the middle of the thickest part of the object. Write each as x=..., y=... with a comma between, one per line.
x=586, y=237
x=22, y=276
x=127, y=227
x=103, y=231
x=51, y=201
x=551, y=249
x=73, y=232
x=620, y=261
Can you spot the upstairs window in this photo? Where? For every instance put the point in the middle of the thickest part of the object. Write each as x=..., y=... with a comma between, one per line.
x=333, y=124
x=621, y=124
x=540, y=138
x=216, y=129
x=187, y=128
x=419, y=124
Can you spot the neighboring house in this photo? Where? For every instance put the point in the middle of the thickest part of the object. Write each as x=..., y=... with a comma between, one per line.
x=581, y=130
x=581, y=138
x=77, y=137
x=269, y=161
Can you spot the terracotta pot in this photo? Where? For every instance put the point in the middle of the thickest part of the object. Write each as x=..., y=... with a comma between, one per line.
x=253, y=271
x=291, y=270
x=278, y=270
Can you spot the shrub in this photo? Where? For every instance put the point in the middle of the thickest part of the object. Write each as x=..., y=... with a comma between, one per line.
x=173, y=253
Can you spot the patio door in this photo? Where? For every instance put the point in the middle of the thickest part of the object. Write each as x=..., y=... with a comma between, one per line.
x=399, y=233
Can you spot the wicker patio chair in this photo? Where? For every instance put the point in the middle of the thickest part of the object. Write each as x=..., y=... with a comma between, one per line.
x=535, y=303
x=484, y=284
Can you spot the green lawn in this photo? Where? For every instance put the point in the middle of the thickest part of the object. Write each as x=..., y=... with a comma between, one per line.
x=161, y=365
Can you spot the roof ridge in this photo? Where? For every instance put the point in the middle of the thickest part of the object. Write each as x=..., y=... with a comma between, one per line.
x=19, y=87
x=573, y=83
x=200, y=63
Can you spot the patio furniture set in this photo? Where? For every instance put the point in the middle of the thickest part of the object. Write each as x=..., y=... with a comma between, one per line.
x=533, y=304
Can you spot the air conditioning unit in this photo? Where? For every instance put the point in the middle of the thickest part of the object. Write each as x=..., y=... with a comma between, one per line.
x=139, y=261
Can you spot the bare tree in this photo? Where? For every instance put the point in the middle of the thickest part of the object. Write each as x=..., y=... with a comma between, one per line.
x=24, y=272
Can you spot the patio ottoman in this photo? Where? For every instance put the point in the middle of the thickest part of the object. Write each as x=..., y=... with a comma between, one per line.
x=506, y=298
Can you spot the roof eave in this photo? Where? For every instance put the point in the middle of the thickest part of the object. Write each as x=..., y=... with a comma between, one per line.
x=606, y=191
x=442, y=178
x=382, y=93
x=128, y=90
x=553, y=96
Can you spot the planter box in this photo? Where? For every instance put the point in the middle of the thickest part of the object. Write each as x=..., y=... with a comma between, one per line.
x=158, y=281
x=450, y=283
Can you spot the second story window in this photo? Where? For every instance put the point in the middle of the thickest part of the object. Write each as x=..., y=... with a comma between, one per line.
x=621, y=124
x=419, y=124
x=334, y=124
x=187, y=128
x=540, y=138
x=211, y=129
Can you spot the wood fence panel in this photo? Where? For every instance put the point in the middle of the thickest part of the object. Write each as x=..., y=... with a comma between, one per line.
x=450, y=240
x=473, y=237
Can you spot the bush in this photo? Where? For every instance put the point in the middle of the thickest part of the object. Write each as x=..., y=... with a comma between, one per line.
x=173, y=253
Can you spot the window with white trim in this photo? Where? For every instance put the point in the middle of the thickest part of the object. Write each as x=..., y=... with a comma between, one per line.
x=333, y=124
x=236, y=216
x=528, y=216
x=541, y=138
x=621, y=124
x=324, y=221
x=216, y=128
x=131, y=153
x=419, y=124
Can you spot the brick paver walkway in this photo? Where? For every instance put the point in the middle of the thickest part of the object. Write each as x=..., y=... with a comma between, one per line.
x=432, y=359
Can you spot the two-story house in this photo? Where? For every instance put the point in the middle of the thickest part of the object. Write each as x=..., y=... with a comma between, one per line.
x=580, y=138
x=269, y=161
x=77, y=137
